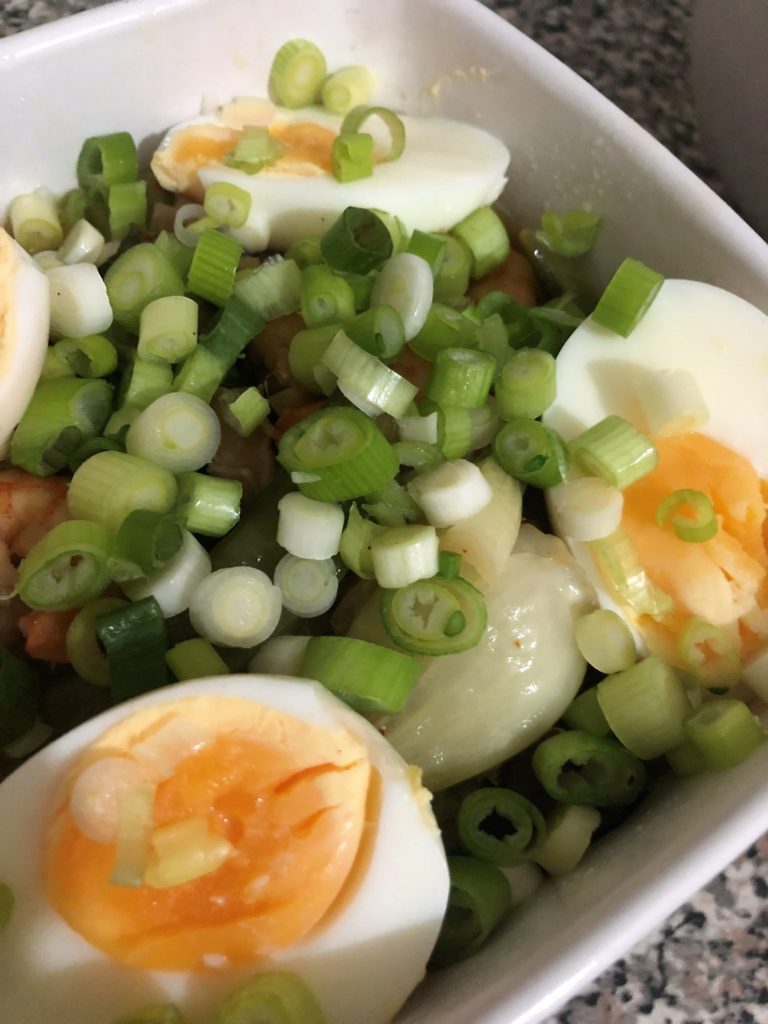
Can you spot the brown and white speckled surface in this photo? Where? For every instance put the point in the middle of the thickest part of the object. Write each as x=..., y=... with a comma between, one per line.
x=708, y=964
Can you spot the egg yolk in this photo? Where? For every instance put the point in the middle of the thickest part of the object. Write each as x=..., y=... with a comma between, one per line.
x=289, y=797
x=723, y=580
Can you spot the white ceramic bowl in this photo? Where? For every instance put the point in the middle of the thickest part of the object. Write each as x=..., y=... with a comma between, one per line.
x=143, y=65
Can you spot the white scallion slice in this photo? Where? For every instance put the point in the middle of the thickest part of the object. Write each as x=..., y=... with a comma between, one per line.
x=418, y=428
x=236, y=607
x=365, y=380
x=79, y=301
x=453, y=491
x=84, y=244
x=279, y=656
x=308, y=528
x=183, y=851
x=178, y=431
x=587, y=508
x=308, y=585
x=405, y=554
x=605, y=640
x=135, y=818
x=180, y=578
x=569, y=834
x=405, y=282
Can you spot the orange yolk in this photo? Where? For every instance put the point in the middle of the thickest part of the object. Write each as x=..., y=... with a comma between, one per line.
x=293, y=805
x=307, y=149
x=723, y=580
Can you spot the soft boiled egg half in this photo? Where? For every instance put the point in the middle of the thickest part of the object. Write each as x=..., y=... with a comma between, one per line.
x=722, y=341
x=24, y=321
x=446, y=171
x=176, y=847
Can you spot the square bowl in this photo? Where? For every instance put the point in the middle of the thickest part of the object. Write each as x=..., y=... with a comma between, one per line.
x=143, y=65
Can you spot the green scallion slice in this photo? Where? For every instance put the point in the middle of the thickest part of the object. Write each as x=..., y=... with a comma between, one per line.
x=139, y=275
x=195, y=659
x=444, y=327
x=168, y=329
x=580, y=768
x=627, y=297
x=690, y=513
x=357, y=242
x=531, y=452
x=710, y=653
x=111, y=484
x=83, y=648
x=228, y=204
x=255, y=150
x=479, y=901
x=615, y=451
x=352, y=157
x=236, y=325
x=453, y=275
x=485, y=236
x=208, y=505
x=379, y=330
x=90, y=356
x=569, y=834
x=725, y=733
x=277, y=997
x=645, y=706
x=325, y=297
x=357, y=117
x=67, y=568
x=368, y=677
x=297, y=74
x=146, y=539
x=527, y=384
x=106, y=160
x=126, y=207
x=434, y=616
x=355, y=545
x=272, y=289
x=133, y=637
x=584, y=715
x=346, y=89
x=572, y=234
x=244, y=409
x=19, y=697
x=461, y=378
x=214, y=265
x=500, y=826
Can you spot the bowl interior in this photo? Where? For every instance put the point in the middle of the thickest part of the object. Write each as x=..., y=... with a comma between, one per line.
x=144, y=66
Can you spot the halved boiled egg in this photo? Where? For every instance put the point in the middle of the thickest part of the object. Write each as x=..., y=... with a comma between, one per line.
x=721, y=582
x=174, y=848
x=24, y=325
x=446, y=171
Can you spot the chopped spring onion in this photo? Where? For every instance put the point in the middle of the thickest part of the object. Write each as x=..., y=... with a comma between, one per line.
x=572, y=234
x=73, y=206
x=479, y=901
x=451, y=492
x=405, y=283
x=19, y=697
x=195, y=659
x=522, y=329
x=454, y=430
x=61, y=414
x=347, y=88
x=168, y=329
x=183, y=851
x=355, y=543
x=307, y=528
x=143, y=382
x=485, y=236
x=672, y=402
x=584, y=715
x=305, y=354
x=106, y=160
x=366, y=381
x=89, y=356
x=177, y=431
x=343, y=449
x=83, y=244
x=404, y=554
x=621, y=568
x=325, y=297
x=357, y=117
x=710, y=653
x=236, y=607
x=378, y=330
x=277, y=997
x=368, y=677
x=187, y=229
x=93, y=799
x=35, y=222
x=136, y=809
x=645, y=706
x=352, y=157
x=297, y=74
x=418, y=428
x=430, y=247
x=255, y=150
x=461, y=378
x=615, y=451
x=172, y=586
x=569, y=833
x=418, y=455
x=244, y=409
x=91, y=447
x=109, y=485
x=527, y=384
x=587, y=508
x=55, y=365
x=440, y=615
x=176, y=252
x=133, y=637
x=627, y=297
x=396, y=228
x=200, y=374
x=686, y=760
x=7, y=903
x=67, y=568
x=227, y=203
x=139, y=275
x=592, y=771
x=452, y=278
x=80, y=303
x=304, y=251
x=236, y=325
x=145, y=541
x=271, y=290
x=690, y=513
x=308, y=585
x=500, y=826
x=725, y=733
x=444, y=327
x=605, y=641
x=531, y=452
x=280, y=655
x=357, y=242
x=208, y=505
x=47, y=260
x=214, y=265
x=126, y=208
x=83, y=648
x=485, y=422
x=116, y=428
x=392, y=505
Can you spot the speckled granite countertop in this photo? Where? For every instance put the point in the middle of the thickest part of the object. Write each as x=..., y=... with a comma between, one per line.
x=708, y=964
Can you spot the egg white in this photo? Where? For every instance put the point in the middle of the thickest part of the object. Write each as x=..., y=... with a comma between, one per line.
x=717, y=336
x=24, y=327
x=447, y=170
x=361, y=964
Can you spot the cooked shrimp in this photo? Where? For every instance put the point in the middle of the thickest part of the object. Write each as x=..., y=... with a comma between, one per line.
x=30, y=506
